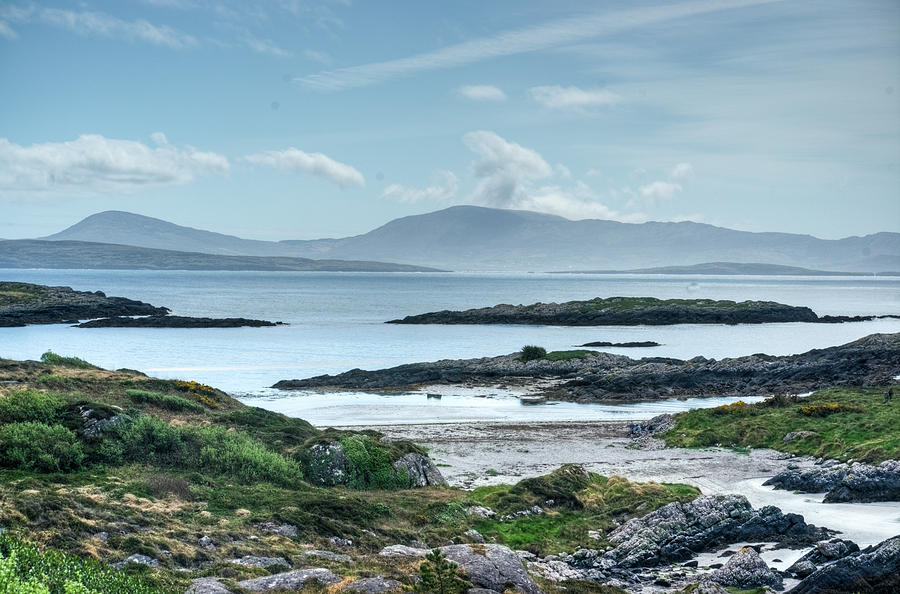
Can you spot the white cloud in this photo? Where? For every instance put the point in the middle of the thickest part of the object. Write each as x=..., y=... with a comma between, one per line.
x=159, y=139
x=659, y=190
x=317, y=56
x=6, y=31
x=503, y=168
x=482, y=93
x=443, y=190
x=557, y=97
x=93, y=164
x=682, y=171
x=295, y=160
x=263, y=46
x=100, y=24
x=516, y=41
x=563, y=171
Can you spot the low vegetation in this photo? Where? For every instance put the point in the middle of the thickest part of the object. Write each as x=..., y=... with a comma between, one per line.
x=533, y=353
x=839, y=423
x=52, y=359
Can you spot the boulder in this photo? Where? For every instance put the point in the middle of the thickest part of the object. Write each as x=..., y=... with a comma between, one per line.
x=290, y=580
x=675, y=532
x=326, y=464
x=263, y=562
x=863, y=483
x=138, y=559
x=207, y=585
x=331, y=556
x=493, y=567
x=875, y=569
x=373, y=585
x=399, y=550
x=746, y=570
x=420, y=469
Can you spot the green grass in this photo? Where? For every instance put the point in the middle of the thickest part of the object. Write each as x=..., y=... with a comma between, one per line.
x=52, y=359
x=165, y=401
x=19, y=293
x=568, y=355
x=628, y=303
x=846, y=423
x=30, y=405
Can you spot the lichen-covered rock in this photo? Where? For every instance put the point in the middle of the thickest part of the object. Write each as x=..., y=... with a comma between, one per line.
x=330, y=555
x=675, y=532
x=263, y=562
x=745, y=570
x=399, y=550
x=207, y=585
x=491, y=566
x=373, y=585
x=138, y=559
x=874, y=570
x=290, y=580
x=325, y=464
x=420, y=469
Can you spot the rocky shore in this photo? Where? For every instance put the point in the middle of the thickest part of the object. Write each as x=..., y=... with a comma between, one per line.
x=593, y=377
x=844, y=483
x=22, y=304
x=175, y=322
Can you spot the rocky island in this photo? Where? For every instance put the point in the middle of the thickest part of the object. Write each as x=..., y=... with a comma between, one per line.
x=631, y=311
x=22, y=304
x=589, y=376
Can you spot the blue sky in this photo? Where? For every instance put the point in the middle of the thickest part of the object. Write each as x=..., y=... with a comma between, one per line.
x=288, y=119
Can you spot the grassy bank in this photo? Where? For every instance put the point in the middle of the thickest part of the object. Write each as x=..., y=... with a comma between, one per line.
x=100, y=465
x=839, y=423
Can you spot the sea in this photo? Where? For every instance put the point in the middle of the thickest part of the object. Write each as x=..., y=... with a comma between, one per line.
x=334, y=321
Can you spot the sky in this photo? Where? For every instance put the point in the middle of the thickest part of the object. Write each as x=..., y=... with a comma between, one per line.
x=295, y=119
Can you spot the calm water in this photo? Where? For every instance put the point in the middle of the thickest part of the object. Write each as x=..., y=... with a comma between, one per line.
x=336, y=323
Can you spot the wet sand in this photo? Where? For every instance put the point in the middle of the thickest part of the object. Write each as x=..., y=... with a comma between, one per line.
x=472, y=455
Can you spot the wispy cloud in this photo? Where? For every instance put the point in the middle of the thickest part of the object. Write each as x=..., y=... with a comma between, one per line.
x=93, y=164
x=659, y=190
x=682, y=171
x=517, y=41
x=293, y=160
x=443, y=190
x=99, y=24
x=318, y=56
x=482, y=93
x=6, y=31
x=573, y=98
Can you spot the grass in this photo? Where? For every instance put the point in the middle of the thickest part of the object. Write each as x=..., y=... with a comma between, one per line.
x=171, y=403
x=19, y=293
x=54, y=360
x=628, y=303
x=845, y=423
x=568, y=355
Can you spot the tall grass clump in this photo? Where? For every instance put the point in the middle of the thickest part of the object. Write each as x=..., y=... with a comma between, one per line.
x=531, y=352
x=39, y=447
x=165, y=401
x=239, y=455
x=51, y=358
x=30, y=405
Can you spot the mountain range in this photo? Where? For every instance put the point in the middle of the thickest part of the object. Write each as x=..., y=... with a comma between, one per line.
x=479, y=238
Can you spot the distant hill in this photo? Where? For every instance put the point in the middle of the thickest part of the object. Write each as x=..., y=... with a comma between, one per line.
x=734, y=268
x=477, y=238
x=32, y=253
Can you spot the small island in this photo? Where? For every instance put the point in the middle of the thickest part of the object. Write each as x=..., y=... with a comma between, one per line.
x=632, y=311
x=23, y=304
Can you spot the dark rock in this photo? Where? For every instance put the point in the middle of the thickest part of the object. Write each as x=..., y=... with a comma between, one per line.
x=746, y=570
x=823, y=552
x=675, y=532
x=420, y=469
x=165, y=321
x=858, y=483
x=874, y=570
x=291, y=580
x=658, y=424
x=646, y=343
x=491, y=566
x=373, y=585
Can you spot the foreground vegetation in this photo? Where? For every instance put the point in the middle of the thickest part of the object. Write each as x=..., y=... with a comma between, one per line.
x=839, y=423
x=102, y=465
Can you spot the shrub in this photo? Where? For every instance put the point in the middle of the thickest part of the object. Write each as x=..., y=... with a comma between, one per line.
x=30, y=405
x=439, y=575
x=828, y=408
x=172, y=403
x=371, y=464
x=39, y=447
x=241, y=456
x=143, y=439
x=532, y=352
x=51, y=358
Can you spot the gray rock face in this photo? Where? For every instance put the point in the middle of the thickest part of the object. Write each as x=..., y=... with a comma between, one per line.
x=493, y=567
x=857, y=483
x=291, y=580
x=139, y=559
x=875, y=569
x=207, y=585
x=373, y=585
x=421, y=470
x=263, y=562
x=677, y=531
x=331, y=556
x=746, y=570
x=872, y=360
x=399, y=550
x=823, y=552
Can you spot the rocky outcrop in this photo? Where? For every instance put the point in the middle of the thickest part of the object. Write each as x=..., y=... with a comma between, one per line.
x=207, y=585
x=677, y=531
x=600, y=376
x=854, y=483
x=746, y=570
x=622, y=311
x=290, y=580
x=22, y=304
x=823, y=552
x=493, y=567
x=874, y=570
x=164, y=321
x=420, y=469
x=327, y=464
x=262, y=562
x=373, y=585
x=636, y=344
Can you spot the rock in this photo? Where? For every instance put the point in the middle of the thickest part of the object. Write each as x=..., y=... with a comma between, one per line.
x=207, y=543
x=875, y=569
x=290, y=580
x=139, y=559
x=288, y=530
x=420, y=469
x=340, y=542
x=795, y=435
x=338, y=557
x=491, y=566
x=637, y=344
x=746, y=570
x=262, y=562
x=708, y=587
x=658, y=424
x=823, y=552
x=802, y=568
x=474, y=536
x=844, y=483
x=675, y=532
x=399, y=550
x=166, y=321
x=207, y=585
x=481, y=512
x=373, y=585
